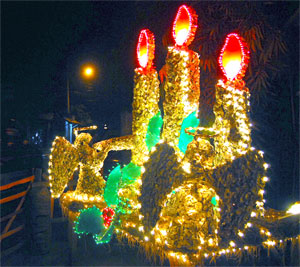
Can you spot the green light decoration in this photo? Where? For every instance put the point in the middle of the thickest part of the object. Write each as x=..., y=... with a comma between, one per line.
x=123, y=207
x=89, y=221
x=105, y=237
x=112, y=187
x=153, y=131
x=214, y=201
x=130, y=173
x=184, y=139
x=117, y=179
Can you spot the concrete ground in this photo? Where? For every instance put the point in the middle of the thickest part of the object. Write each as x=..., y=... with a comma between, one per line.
x=87, y=253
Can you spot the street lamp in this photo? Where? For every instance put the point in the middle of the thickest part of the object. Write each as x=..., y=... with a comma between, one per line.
x=88, y=73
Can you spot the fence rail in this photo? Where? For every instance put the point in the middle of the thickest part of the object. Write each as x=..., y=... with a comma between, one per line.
x=7, y=231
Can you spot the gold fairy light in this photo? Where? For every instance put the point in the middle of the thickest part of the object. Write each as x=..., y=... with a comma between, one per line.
x=182, y=91
x=189, y=203
x=232, y=119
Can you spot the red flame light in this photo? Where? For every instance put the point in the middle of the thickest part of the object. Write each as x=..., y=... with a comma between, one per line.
x=145, y=49
x=234, y=57
x=184, y=26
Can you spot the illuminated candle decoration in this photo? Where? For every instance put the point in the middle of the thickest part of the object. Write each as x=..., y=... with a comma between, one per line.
x=182, y=86
x=232, y=102
x=145, y=49
x=144, y=109
x=234, y=57
x=185, y=26
x=179, y=198
x=145, y=95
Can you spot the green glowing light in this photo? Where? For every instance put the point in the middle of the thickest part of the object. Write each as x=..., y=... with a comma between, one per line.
x=89, y=221
x=184, y=139
x=104, y=238
x=112, y=187
x=130, y=173
x=214, y=201
x=153, y=132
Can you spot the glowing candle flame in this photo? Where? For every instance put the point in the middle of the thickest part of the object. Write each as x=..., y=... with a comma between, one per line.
x=182, y=27
x=233, y=57
x=185, y=25
x=145, y=49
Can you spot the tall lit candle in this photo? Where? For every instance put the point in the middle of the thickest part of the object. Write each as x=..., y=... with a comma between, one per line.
x=182, y=86
x=232, y=101
x=145, y=95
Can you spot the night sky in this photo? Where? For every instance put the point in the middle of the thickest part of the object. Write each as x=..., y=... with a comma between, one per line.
x=44, y=43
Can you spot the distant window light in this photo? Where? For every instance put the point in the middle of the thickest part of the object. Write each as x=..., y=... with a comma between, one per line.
x=36, y=138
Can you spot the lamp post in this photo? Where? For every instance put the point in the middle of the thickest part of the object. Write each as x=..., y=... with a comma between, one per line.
x=88, y=73
x=68, y=95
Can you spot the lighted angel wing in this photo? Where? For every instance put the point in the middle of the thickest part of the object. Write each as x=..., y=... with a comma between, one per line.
x=62, y=164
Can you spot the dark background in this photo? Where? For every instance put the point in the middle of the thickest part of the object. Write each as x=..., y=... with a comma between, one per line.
x=44, y=43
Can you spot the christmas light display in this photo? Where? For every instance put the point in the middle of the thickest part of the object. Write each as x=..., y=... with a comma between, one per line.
x=89, y=221
x=185, y=26
x=294, y=209
x=189, y=192
x=182, y=86
x=108, y=215
x=145, y=101
x=234, y=57
x=145, y=49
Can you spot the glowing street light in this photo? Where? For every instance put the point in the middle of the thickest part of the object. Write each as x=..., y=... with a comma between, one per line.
x=88, y=71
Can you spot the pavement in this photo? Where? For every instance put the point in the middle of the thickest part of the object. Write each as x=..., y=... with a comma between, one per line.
x=87, y=253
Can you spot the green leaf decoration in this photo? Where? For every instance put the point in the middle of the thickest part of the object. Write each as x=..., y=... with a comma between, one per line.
x=112, y=187
x=89, y=221
x=130, y=173
x=105, y=237
x=184, y=139
x=153, y=132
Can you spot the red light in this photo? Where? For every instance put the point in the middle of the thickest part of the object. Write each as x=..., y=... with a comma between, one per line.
x=145, y=49
x=108, y=215
x=184, y=26
x=234, y=57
